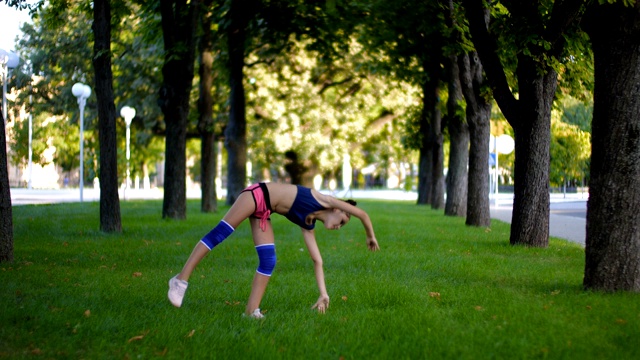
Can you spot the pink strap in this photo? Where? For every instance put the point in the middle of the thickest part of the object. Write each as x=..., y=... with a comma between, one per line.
x=263, y=220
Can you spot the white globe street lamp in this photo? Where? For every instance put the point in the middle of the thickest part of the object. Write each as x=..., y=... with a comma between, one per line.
x=82, y=92
x=128, y=113
x=8, y=60
x=503, y=144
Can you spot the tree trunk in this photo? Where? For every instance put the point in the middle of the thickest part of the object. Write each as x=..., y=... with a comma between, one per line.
x=425, y=167
x=613, y=234
x=178, y=31
x=456, y=203
x=530, y=219
x=206, y=125
x=478, y=117
x=529, y=114
x=236, y=132
x=437, y=182
x=109, y=199
x=6, y=212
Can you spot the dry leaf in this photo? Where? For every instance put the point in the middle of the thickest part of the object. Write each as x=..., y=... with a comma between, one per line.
x=139, y=337
x=87, y=313
x=344, y=298
x=479, y=308
x=137, y=274
x=435, y=295
x=191, y=333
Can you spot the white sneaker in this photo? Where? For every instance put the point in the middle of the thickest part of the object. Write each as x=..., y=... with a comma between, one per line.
x=256, y=314
x=177, y=289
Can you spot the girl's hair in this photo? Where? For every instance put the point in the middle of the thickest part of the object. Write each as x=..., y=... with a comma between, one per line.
x=350, y=201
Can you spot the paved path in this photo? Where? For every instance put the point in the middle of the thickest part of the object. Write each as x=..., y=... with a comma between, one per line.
x=567, y=218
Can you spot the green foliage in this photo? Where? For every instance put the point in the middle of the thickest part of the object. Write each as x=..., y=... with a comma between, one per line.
x=58, y=48
x=437, y=289
x=570, y=146
x=323, y=110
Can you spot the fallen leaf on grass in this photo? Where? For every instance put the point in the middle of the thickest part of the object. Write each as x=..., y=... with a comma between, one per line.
x=137, y=274
x=344, y=298
x=190, y=334
x=138, y=337
x=435, y=295
x=232, y=303
x=621, y=321
x=478, y=308
x=87, y=313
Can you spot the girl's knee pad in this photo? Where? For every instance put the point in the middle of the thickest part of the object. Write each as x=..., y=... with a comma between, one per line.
x=267, y=257
x=217, y=235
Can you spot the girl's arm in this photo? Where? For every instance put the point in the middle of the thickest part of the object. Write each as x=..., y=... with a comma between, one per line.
x=310, y=240
x=331, y=202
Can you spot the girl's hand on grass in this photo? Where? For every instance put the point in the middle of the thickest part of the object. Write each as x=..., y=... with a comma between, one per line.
x=372, y=243
x=322, y=304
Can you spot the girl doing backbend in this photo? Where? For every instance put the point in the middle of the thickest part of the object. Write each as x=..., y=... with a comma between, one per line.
x=302, y=206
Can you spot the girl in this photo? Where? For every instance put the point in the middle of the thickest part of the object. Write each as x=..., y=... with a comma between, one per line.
x=302, y=206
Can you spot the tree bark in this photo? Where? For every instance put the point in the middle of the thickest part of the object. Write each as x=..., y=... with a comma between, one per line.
x=425, y=167
x=613, y=234
x=532, y=128
x=178, y=31
x=437, y=142
x=236, y=131
x=6, y=212
x=110, y=220
x=478, y=117
x=206, y=124
x=457, y=177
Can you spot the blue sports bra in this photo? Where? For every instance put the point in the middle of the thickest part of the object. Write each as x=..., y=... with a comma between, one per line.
x=303, y=205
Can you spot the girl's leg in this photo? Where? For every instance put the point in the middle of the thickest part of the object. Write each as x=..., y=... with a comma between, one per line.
x=260, y=281
x=240, y=210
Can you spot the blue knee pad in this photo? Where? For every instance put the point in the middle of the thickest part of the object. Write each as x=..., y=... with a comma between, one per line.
x=217, y=235
x=267, y=256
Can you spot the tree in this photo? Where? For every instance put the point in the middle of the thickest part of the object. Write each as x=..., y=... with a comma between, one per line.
x=478, y=113
x=536, y=32
x=206, y=124
x=109, y=200
x=6, y=213
x=457, y=176
x=413, y=51
x=613, y=240
x=236, y=132
x=179, y=19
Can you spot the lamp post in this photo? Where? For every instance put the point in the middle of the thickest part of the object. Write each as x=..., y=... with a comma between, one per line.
x=128, y=113
x=8, y=60
x=82, y=92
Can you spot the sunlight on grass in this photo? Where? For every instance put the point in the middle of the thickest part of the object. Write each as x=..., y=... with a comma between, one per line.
x=437, y=289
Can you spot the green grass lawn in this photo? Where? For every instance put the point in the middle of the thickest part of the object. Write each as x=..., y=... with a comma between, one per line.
x=437, y=289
